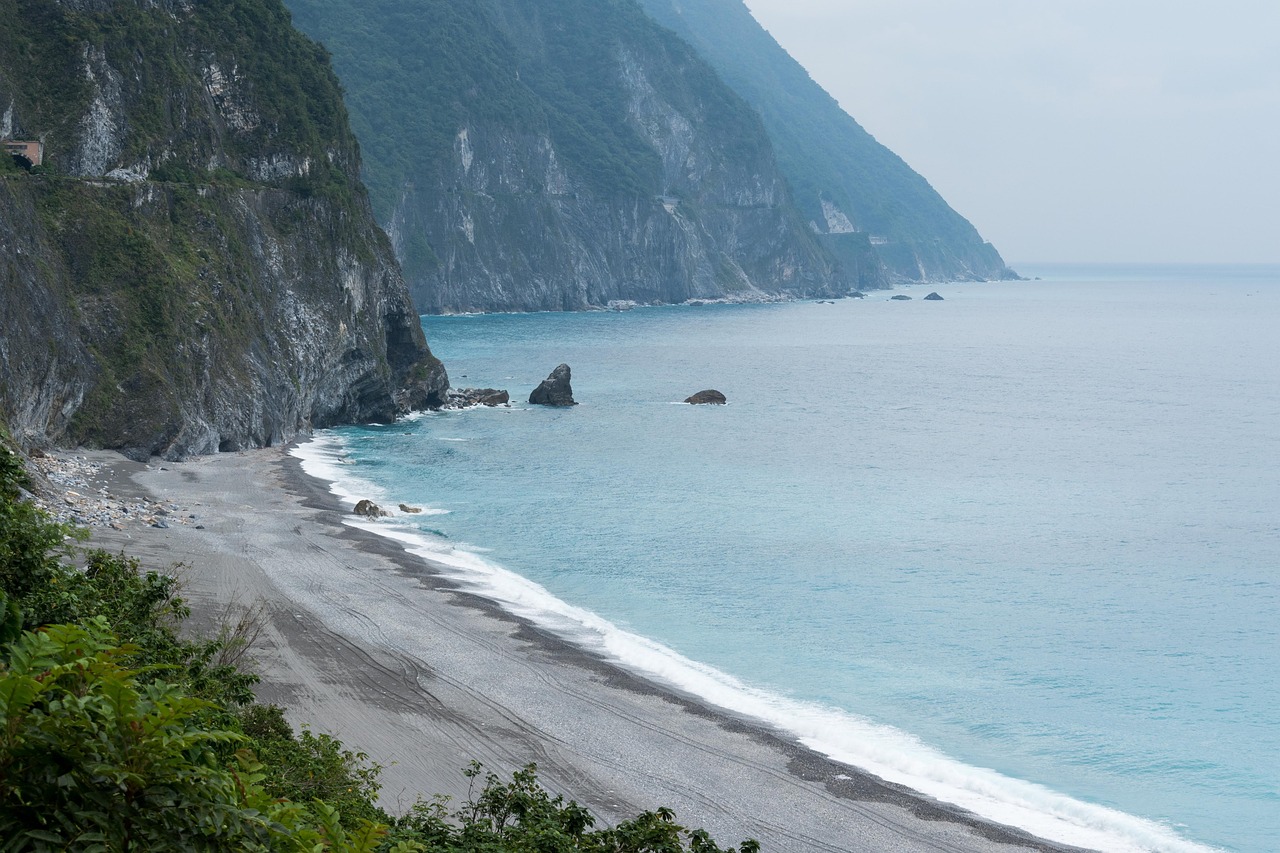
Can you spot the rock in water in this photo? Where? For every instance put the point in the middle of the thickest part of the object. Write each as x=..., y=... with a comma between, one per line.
x=369, y=509
x=933, y=297
x=901, y=297
x=709, y=396
x=461, y=398
x=410, y=509
x=554, y=390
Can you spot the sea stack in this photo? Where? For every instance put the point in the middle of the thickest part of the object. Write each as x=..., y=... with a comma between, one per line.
x=555, y=390
x=933, y=297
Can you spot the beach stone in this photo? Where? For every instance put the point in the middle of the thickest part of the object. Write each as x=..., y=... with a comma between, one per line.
x=901, y=297
x=710, y=396
x=933, y=297
x=555, y=390
x=369, y=509
x=407, y=508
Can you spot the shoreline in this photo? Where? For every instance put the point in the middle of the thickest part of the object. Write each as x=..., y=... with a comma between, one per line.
x=501, y=690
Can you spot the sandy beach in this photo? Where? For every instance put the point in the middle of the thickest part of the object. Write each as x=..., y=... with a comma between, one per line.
x=433, y=678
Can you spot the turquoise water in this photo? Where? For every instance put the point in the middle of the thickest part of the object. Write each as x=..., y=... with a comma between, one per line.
x=1027, y=534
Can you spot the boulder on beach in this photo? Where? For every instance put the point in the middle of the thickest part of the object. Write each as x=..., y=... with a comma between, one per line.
x=369, y=509
x=901, y=297
x=710, y=396
x=555, y=390
x=461, y=398
x=933, y=297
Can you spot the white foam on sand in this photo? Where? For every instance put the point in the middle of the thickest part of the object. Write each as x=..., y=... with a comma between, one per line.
x=889, y=753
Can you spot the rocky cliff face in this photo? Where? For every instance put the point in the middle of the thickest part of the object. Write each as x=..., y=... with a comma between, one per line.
x=574, y=154
x=867, y=206
x=195, y=268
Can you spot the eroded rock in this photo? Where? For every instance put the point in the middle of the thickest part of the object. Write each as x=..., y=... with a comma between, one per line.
x=555, y=390
x=709, y=396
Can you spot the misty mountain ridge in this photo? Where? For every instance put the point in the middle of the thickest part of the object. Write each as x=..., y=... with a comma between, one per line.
x=570, y=154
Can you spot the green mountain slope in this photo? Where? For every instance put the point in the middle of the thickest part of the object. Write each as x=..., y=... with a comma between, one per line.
x=842, y=179
x=563, y=154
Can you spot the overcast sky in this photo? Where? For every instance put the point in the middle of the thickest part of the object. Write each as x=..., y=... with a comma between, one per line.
x=1068, y=130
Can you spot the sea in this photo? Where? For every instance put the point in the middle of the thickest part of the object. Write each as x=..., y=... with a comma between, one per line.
x=1018, y=548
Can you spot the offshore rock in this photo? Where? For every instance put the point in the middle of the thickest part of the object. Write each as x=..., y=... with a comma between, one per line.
x=554, y=390
x=710, y=396
x=462, y=398
x=369, y=509
x=933, y=297
x=901, y=297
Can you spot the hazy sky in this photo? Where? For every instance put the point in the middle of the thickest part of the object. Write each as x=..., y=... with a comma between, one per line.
x=1126, y=130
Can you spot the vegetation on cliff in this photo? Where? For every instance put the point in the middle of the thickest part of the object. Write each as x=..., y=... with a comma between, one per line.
x=117, y=732
x=195, y=267
x=560, y=155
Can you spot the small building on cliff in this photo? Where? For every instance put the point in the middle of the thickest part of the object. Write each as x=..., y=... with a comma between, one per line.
x=31, y=150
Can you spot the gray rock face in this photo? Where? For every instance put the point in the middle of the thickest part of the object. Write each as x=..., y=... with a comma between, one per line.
x=180, y=312
x=901, y=297
x=554, y=390
x=710, y=396
x=933, y=297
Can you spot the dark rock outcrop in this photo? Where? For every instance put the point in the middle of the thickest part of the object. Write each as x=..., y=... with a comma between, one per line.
x=462, y=398
x=710, y=396
x=198, y=269
x=369, y=509
x=933, y=297
x=901, y=297
x=412, y=510
x=555, y=390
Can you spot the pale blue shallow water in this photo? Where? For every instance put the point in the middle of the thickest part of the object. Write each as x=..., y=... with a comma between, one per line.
x=1035, y=526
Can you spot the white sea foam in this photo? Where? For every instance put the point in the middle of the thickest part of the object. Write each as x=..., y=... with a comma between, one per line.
x=889, y=753
x=325, y=458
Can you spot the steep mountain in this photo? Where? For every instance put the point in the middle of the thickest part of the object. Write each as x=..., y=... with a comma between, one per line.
x=852, y=188
x=194, y=267
x=561, y=154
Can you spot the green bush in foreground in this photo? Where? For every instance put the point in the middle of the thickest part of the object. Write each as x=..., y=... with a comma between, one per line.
x=117, y=734
x=93, y=759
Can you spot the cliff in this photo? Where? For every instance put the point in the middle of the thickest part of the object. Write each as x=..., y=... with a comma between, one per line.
x=564, y=154
x=196, y=266
x=857, y=194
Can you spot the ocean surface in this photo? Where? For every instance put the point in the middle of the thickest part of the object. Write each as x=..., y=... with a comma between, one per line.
x=1018, y=549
